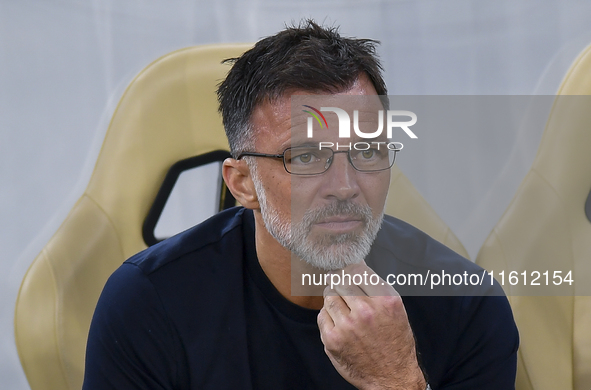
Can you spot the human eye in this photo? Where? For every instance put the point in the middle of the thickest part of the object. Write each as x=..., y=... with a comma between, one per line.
x=367, y=154
x=303, y=157
x=370, y=154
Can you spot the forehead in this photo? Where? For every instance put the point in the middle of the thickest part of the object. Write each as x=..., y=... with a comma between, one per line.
x=285, y=120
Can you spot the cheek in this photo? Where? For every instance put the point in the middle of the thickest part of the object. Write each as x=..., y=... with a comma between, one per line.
x=278, y=188
x=302, y=192
x=376, y=191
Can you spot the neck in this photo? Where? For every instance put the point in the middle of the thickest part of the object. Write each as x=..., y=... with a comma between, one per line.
x=284, y=270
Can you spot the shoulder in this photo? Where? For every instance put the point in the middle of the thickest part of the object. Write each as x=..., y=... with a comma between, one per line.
x=199, y=242
x=204, y=261
x=156, y=301
x=415, y=248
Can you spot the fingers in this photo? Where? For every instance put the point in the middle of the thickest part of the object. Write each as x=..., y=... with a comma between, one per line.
x=325, y=324
x=365, y=331
x=360, y=297
x=335, y=306
x=359, y=280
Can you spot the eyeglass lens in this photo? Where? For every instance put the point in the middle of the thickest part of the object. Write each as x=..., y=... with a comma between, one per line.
x=312, y=160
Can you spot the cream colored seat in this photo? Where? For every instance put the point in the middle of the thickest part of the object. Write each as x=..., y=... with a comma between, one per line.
x=406, y=203
x=168, y=113
x=546, y=228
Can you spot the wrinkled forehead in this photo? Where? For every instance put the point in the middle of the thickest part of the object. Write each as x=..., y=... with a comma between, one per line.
x=336, y=117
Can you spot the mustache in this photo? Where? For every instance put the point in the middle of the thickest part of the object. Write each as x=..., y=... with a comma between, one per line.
x=338, y=208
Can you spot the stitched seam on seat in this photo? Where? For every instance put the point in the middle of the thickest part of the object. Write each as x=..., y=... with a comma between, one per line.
x=59, y=343
x=117, y=235
x=56, y=318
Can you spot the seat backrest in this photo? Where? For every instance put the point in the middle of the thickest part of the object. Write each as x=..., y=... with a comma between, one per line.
x=546, y=227
x=168, y=113
x=405, y=202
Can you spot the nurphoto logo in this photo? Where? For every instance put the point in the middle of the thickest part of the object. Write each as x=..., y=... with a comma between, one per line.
x=345, y=127
x=345, y=122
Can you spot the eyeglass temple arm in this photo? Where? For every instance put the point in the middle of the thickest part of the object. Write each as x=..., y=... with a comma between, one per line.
x=244, y=154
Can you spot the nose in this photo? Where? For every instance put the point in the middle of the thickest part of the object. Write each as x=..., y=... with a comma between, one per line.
x=340, y=180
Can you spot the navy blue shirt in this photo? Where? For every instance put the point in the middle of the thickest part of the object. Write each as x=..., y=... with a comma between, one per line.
x=196, y=311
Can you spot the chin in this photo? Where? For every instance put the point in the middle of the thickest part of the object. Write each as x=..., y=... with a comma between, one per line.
x=334, y=257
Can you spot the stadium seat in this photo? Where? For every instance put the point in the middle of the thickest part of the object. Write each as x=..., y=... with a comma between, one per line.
x=547, y=226
x=166, y=117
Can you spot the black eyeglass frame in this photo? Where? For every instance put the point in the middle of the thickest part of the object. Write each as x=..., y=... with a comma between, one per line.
x=330, y=159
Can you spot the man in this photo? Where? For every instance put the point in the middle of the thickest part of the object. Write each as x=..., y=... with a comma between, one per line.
x=212, y=308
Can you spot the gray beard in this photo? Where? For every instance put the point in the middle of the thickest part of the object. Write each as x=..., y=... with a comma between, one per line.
x=327, y=252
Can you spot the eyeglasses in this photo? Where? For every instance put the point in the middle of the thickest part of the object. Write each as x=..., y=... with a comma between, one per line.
x=307, y=160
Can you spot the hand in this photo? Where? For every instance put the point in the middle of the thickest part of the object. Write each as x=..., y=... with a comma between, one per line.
x=367, y=336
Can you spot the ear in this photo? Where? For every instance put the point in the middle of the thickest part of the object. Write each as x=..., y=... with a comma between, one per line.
x=237, y=176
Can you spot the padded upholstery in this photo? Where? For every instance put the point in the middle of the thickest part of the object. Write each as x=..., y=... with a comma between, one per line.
x=168, y=113
x=545, y=227
x=406, y=203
